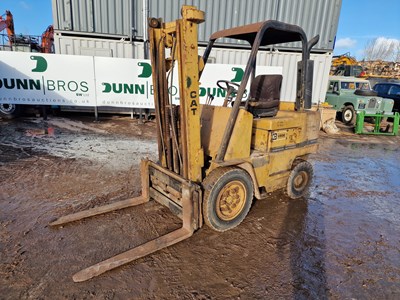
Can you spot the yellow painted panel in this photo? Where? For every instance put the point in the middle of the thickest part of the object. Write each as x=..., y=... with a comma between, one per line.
x=213, y=124
x=187, y=50
x=289, y=119
x=260, y=139
x=274, y=173
x=285, y=137
x=283, y=105
x=283, y=120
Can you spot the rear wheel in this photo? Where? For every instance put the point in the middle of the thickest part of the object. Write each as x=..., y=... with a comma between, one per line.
x=228, y=194
x=299, y=179
x=348, y=115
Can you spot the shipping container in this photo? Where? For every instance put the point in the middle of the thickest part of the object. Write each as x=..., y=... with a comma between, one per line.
x=127, y=18
x=95, y=46
x=112, y=18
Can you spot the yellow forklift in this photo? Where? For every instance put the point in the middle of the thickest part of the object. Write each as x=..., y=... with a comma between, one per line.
x=213, y=160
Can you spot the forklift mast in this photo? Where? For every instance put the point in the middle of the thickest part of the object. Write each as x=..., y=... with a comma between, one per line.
x=178, y=127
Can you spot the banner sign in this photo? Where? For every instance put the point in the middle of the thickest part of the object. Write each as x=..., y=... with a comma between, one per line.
x=123, y=82
x=52, y=79
x=31, y=78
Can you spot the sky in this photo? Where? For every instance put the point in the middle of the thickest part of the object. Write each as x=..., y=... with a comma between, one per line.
x=360, y=22
x=31, y=17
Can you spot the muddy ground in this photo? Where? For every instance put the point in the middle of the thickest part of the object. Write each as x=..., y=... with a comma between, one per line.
x=342, y=242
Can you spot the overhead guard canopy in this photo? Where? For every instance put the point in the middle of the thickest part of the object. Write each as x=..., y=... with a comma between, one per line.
x=274, y=32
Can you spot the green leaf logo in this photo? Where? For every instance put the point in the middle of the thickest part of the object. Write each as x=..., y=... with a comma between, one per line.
x=41, y=64
x=146, y=71
x=238, y=75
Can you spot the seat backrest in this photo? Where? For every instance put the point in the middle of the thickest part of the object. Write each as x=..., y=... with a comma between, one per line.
x=266, y=88
x=265, y=95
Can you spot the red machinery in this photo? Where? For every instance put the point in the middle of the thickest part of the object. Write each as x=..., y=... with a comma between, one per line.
x=46, y=46
x=8, y=23
x=48, y=40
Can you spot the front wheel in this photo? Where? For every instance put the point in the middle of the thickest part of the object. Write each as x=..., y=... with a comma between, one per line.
x=348, y=115
x=228, y=194
x=299, y=179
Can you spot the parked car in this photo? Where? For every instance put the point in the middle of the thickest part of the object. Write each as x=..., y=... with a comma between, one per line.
x=389, y=90
x=348, y=95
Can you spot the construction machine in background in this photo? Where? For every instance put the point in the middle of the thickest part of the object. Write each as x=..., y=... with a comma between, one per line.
x=378, y=70
x=25, y=43
x=346, y=65
x=30, y=42
x=344, y=59
x=47, y=43
x=8, y=24
x=213, y=160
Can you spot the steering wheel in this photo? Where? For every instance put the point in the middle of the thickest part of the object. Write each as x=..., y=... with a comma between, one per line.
x=228, y=85
x=229, y=88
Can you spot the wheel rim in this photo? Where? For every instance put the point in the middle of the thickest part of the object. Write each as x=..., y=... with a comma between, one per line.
x=7, y=108
x=231, y=200
x=300, y=181
x=348, y=115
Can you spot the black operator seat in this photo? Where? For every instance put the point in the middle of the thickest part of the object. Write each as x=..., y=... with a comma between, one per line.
x=265, y=93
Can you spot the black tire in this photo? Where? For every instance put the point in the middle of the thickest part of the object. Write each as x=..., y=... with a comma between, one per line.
x=348, y=115
x=9, y=111
x=365, y=93
x=228, y=194
x=300, y=179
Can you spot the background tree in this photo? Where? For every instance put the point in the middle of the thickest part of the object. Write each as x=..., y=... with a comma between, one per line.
x=382, y=49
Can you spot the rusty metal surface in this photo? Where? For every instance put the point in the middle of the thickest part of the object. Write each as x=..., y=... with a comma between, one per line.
x=99, y=210
x=237, y=32
x=273, y=32
x=133, y=254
